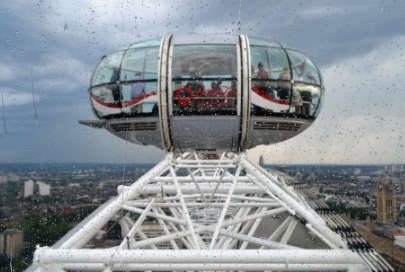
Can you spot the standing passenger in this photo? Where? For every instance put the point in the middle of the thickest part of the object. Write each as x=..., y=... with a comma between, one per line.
x=308, y=77
x=137, y=92
x=262, y=73
x=284, y=91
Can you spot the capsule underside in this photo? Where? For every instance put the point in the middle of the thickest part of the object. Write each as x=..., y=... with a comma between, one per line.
x=205, y=92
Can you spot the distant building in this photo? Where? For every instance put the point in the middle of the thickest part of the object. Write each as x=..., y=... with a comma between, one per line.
x=28, y=188
x=363, y=177
x=37, y=188
x=3, y=179
x=42, y=188
x=11, y=243
x=13, y=177
x=386, y=204
x=299, y=177
x=282, y=168
x=261, y=161
x=357, y=172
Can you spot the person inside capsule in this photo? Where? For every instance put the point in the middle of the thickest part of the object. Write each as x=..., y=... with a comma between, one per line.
x=283, y=91
x=265, y=87
x=137, y=93
x=200, y=68
x=308, y=77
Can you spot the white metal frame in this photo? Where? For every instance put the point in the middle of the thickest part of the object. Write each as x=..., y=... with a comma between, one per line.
x=162, y=72
x=212, y=209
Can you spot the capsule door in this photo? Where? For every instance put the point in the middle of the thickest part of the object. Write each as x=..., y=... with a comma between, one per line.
x=204, y=96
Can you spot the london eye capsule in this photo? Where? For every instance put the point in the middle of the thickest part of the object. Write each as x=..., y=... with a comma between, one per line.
x=205, y=92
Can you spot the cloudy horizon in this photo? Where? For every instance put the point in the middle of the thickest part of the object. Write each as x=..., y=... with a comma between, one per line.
x=51, y=48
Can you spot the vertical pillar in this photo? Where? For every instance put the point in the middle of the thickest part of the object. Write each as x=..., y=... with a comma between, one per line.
x=383, y=204
x=394, y=205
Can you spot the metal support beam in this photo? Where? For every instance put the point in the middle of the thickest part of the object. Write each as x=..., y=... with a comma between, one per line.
x=208, y=212
x=224, y=209
x=185, y=210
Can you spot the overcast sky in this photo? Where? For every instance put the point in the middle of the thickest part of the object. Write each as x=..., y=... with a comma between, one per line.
x=358, y=46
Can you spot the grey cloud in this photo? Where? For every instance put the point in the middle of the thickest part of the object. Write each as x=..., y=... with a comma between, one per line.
x=336, y=34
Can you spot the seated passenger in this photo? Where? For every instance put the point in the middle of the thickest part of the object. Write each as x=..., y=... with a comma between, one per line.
x=205, y=68
x=200, y=68
x=218, y=85
x=219, y=93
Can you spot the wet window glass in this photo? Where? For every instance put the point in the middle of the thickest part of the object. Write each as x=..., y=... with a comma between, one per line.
x=304, y=70
x=139, y=98
x=135, y=90
x=306, y=99
x=204, y=80
x=262, y=42
x=319, y=107
x=204, y=97
x=271, y=78
x=142, y=63
x=204, y=61
x=286, y=46
x=106, y=100
x=139, y=74
x=147, y=43
x=108, y=69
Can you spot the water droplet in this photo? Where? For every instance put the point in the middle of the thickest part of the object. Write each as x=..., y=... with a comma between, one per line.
x=4, y=117
x=43, y=36
x=65, y=28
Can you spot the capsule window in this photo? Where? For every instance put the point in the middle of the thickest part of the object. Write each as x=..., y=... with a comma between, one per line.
x=105, y=100
x=306, y=99
x=270, y=75
x=303, y=69
x=108, y=69
x=204, y=80
x=140, y=64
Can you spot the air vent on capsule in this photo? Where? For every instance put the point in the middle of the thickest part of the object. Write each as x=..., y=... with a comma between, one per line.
x=276, y=126
x=134, y=126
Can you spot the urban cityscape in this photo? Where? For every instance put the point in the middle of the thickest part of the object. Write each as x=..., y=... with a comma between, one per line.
x=202, y=136
x=67, y=193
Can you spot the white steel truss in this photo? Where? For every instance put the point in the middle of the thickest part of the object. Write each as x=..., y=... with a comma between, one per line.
x=226, y=214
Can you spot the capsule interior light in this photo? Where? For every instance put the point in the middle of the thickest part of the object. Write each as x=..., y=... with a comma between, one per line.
x=205, y=92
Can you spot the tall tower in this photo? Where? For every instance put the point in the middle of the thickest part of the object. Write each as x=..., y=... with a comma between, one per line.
x=386, y=203
x=261, y=161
